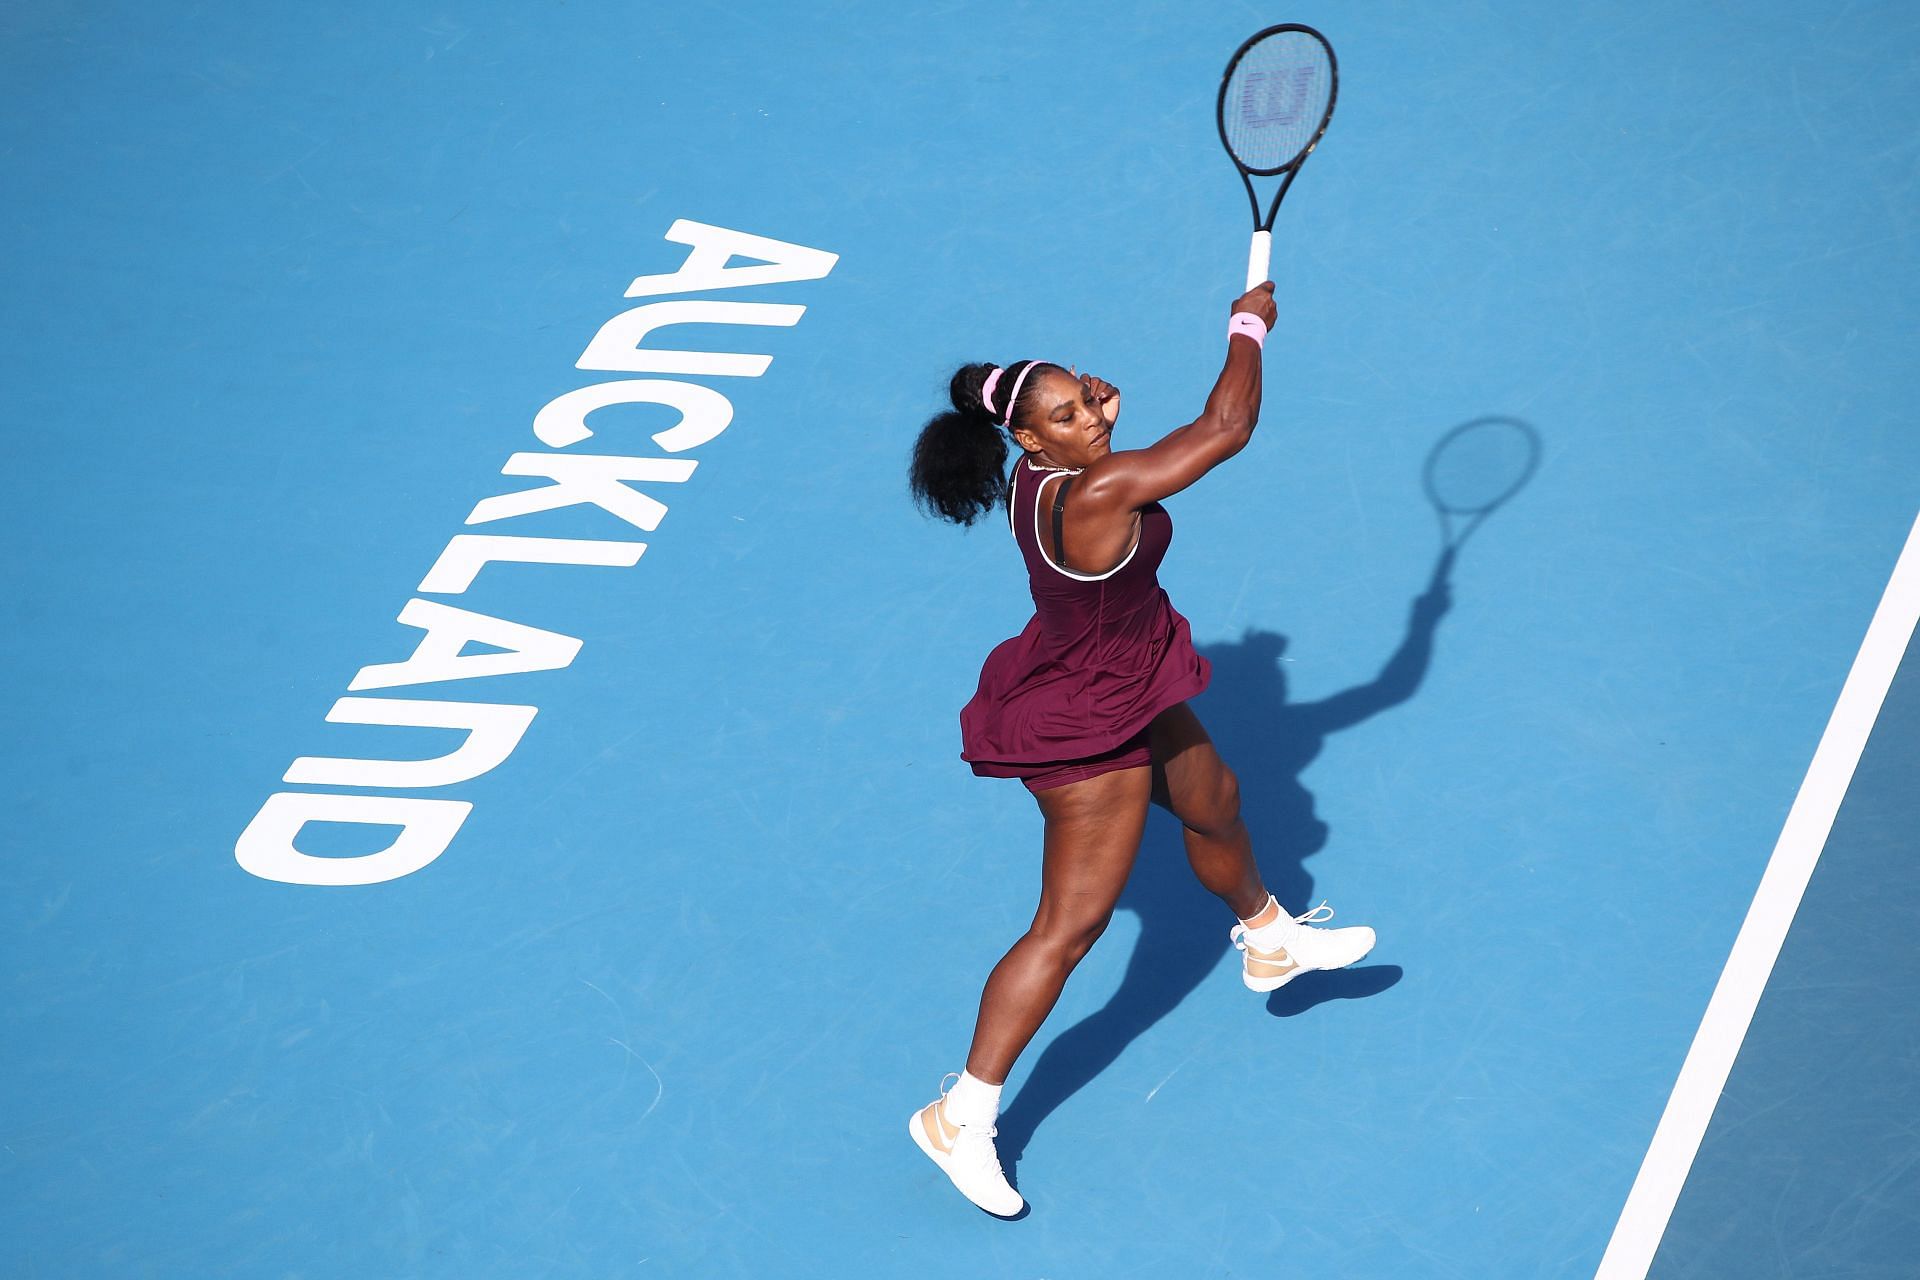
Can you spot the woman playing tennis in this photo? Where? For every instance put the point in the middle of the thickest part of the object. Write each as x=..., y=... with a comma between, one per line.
x=1088, y=705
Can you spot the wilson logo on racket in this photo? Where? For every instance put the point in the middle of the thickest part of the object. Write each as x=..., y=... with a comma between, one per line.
x=1275, y=99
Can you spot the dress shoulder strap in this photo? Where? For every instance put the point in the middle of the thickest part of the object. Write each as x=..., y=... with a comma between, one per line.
x=1059, y=520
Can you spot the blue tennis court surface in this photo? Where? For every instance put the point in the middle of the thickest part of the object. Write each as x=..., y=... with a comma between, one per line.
x=657, y=970
x=1809, y=1167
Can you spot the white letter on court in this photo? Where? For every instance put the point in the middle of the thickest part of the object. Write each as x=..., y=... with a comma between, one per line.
x=704, y=412
x=585, y=477
x=616, y=348
x=713, y=247
x=493, y=731
x=449, y=630
x=467, y=553
x=265, y=848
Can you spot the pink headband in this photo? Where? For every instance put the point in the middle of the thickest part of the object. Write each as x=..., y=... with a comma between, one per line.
x=993, y=380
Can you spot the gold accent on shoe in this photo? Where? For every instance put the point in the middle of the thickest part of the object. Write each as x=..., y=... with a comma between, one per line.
x=940, y=1131
x=1270, y=964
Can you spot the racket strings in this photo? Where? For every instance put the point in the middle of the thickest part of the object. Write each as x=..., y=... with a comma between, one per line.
x=1276, y=100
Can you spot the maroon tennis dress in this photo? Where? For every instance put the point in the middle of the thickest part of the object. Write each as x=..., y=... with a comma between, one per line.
x=1072, y=695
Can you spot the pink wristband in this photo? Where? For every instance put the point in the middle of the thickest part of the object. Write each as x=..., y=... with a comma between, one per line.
x=1248, y=325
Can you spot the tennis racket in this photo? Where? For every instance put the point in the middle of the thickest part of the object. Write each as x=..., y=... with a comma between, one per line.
x=1472, y=472
x=1276, y=99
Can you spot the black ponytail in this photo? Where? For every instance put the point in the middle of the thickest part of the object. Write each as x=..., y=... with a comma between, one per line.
x=959, y=461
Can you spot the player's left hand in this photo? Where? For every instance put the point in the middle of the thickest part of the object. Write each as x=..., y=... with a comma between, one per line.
x=1105, y=394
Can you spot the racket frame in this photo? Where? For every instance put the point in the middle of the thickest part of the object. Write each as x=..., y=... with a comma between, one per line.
x=1258, y=254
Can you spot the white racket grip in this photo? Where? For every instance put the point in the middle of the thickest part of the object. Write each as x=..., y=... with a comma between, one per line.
x=1257, y=258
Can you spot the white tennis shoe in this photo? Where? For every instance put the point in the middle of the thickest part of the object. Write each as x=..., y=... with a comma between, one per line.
x=1278, y=952
x=965, y=1154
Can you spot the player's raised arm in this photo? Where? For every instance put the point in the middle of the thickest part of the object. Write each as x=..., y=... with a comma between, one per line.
x=1132, y=478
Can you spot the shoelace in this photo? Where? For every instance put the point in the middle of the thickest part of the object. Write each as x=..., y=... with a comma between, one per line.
x=1238, y=933
x=1314, y=916
x=983, y=1153
x=980, y=1155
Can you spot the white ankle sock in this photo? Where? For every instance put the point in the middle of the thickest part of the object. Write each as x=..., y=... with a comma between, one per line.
x=1274, y=934
x=972, y=1101
x=1271, y=902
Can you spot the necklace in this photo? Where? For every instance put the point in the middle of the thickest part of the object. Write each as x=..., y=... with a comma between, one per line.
x=1041, y=466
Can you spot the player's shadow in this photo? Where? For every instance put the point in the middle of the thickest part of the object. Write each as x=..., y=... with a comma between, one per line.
x=1269, y=742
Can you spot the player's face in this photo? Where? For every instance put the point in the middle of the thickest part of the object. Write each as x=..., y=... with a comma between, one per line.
x=1066, y=427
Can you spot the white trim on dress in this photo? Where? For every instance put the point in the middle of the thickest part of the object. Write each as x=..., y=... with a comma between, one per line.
x=1039, y=542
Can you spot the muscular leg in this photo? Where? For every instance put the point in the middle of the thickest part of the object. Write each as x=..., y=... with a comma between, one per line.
x=1195, y=785
x=1093, y=831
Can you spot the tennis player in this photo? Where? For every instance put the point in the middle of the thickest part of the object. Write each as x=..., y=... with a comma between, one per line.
x=1088, y=705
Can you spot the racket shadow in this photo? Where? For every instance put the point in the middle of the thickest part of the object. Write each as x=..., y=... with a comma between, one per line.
x=1269, y=741
x=1474, y=470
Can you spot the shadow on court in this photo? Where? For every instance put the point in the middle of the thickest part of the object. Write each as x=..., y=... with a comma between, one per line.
x=1268, y=741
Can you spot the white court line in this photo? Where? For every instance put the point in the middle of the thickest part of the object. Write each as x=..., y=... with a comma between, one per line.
x=1704, y=1074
